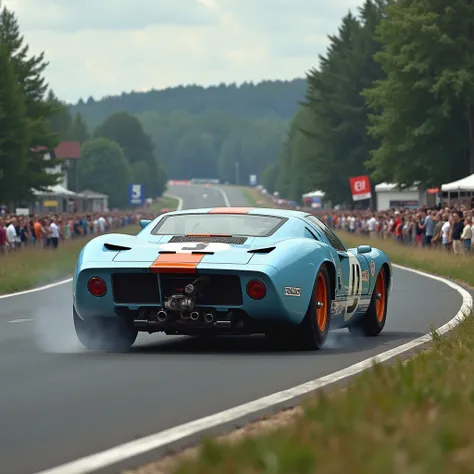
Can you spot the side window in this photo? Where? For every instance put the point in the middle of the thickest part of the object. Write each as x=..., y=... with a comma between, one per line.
x=311, y=234
x=329, y=234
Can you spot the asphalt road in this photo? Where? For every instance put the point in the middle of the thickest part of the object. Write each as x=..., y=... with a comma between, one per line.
x=59, y=403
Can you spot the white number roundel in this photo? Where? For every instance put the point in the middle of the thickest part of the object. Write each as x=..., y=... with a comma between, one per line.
x=190, y=247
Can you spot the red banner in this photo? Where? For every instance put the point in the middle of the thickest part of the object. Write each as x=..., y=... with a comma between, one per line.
x=360, y=188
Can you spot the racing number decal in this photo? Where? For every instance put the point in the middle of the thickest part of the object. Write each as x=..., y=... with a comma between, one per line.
x=355, y=287
x=190, y=247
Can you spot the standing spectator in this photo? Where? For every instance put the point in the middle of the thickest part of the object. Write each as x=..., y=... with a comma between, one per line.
x=420, y=229
x=456, y=233
x=436, y=240
x=102, y=223
x=12, y=237
x=446, y=232
x=429, y=229
x=371, y=226
x=352, y=224
x=466, y=235
x=399, y=230
x=40, y=232
x=3, y=237
x=24, y=233
x=54, y=233
x=47, y=228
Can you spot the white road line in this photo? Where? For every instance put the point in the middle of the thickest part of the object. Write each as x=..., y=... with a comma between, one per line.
x=35, y=290
x=180, y=200
x=129, y=450
x=224, y=196
x=20, y=321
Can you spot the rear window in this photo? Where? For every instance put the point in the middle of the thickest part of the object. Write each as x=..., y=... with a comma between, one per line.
x=229, y=224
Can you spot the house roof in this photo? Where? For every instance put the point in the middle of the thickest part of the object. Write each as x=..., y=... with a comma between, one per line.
x=65, y=150
x=68, y=150
x=92, y=194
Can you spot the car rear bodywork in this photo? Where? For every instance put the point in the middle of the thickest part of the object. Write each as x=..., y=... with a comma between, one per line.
x=143, y=272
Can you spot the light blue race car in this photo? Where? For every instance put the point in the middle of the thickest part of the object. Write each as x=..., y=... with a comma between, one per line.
x=228, y=270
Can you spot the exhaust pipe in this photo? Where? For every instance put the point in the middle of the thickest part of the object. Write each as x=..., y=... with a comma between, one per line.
x=208, y=318
x=162, y=316
x=194, y=316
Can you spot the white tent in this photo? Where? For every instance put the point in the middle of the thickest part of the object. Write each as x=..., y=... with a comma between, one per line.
x=464, y=184
x=56, y=190
x=314, y=194
x=387, y=187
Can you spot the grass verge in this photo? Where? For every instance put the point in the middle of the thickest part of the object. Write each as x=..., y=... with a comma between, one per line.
x=412, y=418
x=32, y=267
x=254, y=197
x=164, y=202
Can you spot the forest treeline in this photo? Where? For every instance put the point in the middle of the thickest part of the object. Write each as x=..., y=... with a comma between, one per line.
x=392, y=97
x=264, y=99
x=202, y=132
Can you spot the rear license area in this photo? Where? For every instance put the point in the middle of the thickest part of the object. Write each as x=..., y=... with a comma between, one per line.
x=144, y=288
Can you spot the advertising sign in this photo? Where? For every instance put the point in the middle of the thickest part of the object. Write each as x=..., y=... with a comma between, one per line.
x=136, y=194
x=360, y=188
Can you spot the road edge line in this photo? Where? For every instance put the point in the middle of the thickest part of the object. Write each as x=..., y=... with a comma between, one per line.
x=35, y=290
x=180, y=200
x=224, y=196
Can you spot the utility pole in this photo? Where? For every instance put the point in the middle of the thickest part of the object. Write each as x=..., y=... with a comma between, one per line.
x=237, y=172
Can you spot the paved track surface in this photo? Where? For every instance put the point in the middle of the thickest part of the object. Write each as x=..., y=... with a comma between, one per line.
x=58, y=403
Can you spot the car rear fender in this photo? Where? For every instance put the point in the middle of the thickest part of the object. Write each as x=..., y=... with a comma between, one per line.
x=376, y=259
x=298, y=261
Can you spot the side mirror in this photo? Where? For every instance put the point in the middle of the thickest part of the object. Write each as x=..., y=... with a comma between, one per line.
x=144, y=222
x=364, y=249
x=342, y=255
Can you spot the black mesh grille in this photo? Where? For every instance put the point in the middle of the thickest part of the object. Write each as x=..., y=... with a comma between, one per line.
x=135, y=288
x=215, y=240
x=222, y=289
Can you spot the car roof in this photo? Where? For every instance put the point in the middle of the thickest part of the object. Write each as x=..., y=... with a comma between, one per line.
x=263, y=211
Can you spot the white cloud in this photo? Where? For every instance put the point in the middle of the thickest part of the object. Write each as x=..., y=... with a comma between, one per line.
x=105, y=47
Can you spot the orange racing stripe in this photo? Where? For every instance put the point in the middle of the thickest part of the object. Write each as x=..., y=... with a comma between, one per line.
x=231, y=210
x=176, y=263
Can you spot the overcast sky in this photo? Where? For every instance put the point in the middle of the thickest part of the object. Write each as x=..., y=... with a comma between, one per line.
x=105, y=47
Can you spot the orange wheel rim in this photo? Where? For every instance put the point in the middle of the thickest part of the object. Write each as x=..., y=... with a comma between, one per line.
x=380, y=294
x=321, y=303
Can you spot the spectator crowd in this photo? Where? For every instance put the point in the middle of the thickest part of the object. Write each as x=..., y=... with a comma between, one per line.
x=447, y=228
x=46, y=232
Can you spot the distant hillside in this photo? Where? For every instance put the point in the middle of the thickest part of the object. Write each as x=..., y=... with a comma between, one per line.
x=202, y=132
x=277, y=99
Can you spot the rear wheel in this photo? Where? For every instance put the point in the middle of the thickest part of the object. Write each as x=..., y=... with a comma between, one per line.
x=374, y=319
x=313, y=331
x=104, y=334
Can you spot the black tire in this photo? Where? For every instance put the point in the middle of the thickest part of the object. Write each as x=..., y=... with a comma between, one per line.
x=104, y=334
x=373, y=321
x=313, y=331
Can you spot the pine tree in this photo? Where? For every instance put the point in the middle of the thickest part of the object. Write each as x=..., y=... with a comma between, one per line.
x=29, y=70
x=13, y=131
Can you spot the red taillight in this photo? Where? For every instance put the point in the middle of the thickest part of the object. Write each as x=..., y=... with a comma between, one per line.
x=256, y=289
x=97, y=286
